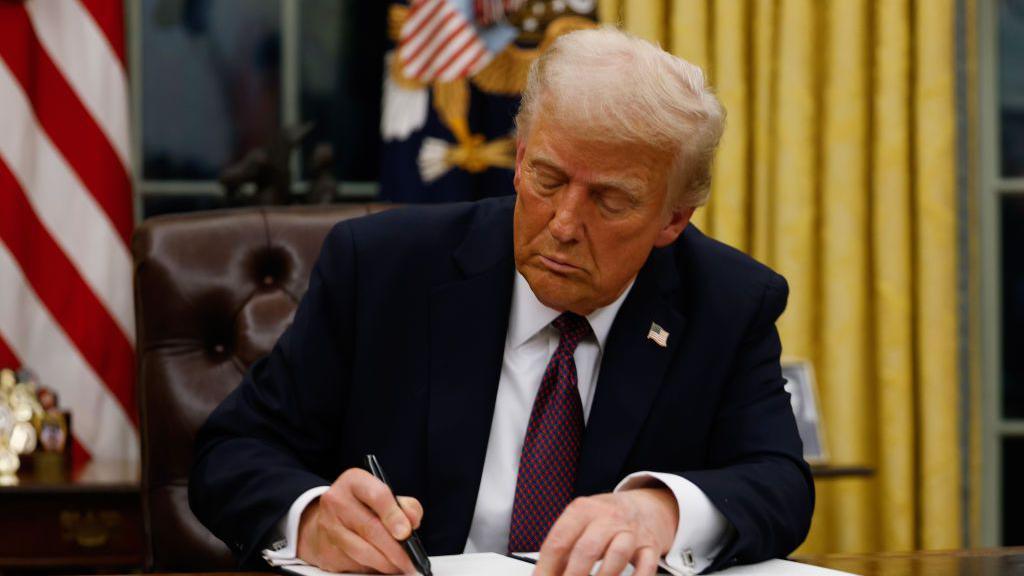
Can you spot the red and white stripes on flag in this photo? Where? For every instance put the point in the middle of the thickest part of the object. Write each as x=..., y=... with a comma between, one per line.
x=438, y=43
x=66, y=213
x=492, y=11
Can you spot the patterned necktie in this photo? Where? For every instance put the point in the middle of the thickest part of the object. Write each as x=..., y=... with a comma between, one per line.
x=547, y=467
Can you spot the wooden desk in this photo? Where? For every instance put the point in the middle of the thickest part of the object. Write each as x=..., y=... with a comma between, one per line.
x=992, y=562
x=55, y=521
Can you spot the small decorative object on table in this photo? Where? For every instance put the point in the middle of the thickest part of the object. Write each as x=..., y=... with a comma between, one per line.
x=803, y=395
x=31, y=425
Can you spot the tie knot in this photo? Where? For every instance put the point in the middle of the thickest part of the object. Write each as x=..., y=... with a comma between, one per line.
x=573, y=328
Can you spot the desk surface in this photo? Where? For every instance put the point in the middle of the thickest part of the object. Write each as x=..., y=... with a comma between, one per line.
x=994, y=562
x=55, y=520
x=96, y=476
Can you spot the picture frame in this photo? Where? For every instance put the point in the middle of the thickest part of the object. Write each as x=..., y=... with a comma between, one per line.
x=803, y=395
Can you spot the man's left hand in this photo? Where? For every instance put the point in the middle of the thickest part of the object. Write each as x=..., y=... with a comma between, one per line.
x=632, y=526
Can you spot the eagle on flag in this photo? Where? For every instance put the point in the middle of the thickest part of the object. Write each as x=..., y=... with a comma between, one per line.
x=451, y=91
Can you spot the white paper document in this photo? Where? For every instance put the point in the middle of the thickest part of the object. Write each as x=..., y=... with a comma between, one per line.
x=458, y=565
x=498, y=565
x=780, y=568
x=769, y=568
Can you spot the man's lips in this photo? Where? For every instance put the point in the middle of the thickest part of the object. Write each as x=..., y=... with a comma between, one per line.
x=558, y=266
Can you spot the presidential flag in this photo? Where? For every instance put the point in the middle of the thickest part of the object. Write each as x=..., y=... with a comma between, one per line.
x=451, y=92
x=66, y=213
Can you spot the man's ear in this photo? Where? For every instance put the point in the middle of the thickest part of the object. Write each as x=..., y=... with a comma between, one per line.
x=679, y=219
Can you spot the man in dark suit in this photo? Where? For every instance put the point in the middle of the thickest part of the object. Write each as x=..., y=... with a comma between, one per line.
x=504, y=357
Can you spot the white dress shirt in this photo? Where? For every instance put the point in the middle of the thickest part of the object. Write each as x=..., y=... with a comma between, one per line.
x=529, y=345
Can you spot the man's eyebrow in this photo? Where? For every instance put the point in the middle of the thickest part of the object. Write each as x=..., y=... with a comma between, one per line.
x=546, y=163
x=624, y=184
x=628, y=186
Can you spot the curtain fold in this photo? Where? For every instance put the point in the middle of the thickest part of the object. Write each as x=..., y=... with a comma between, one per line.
x=935, y=206
x=731, y=42
x=844, y=359
x=892, y=286
x=838, y=169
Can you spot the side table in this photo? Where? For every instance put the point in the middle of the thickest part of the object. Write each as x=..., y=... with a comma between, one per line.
x=87, y=520
x=829, y=471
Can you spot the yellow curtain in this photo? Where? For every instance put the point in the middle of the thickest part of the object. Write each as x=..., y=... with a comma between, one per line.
x=838, y=169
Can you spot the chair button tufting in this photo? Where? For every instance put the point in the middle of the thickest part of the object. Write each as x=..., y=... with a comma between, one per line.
x=268, y=280
x=219, y=348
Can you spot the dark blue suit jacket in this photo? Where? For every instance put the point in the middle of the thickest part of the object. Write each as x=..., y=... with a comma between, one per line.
x=397, y=347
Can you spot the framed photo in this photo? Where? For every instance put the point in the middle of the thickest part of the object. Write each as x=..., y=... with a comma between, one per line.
x=803, y=395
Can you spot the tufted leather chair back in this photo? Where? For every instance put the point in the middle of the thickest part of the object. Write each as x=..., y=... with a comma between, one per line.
x=213, y=292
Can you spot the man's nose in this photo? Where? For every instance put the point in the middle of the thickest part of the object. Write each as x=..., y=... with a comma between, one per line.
x=565, y=226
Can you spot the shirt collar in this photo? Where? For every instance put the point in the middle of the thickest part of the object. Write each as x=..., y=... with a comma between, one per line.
x=529, y=316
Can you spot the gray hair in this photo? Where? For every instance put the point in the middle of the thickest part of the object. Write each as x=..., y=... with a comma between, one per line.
x=612, y=86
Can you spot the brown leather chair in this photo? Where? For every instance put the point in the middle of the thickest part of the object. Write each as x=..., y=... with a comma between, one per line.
x=213, y=291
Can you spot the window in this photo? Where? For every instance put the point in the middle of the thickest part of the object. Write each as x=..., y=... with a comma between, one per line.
x=1001, y=107
x=215, y=79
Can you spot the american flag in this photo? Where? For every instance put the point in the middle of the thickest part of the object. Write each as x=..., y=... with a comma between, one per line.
x=66, y=213
x=658, y=334
x=492, y=11
x=438, y=43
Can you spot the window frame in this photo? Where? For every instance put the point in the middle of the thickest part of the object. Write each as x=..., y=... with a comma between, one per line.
x=995, y=427
x=290, y=115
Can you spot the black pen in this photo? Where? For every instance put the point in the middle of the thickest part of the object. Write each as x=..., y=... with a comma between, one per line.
x=413, y=546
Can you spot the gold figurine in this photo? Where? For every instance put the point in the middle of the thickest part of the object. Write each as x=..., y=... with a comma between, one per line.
x=7, y=380
x=21, y=420
x=6, y=422
x=23, y=438
x=24, y=404
x=9, y=464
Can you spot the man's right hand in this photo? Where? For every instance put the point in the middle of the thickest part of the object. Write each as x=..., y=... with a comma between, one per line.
x=355, y=527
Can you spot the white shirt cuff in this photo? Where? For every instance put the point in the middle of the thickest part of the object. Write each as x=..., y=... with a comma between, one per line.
x=702, y=530
x=285, y=536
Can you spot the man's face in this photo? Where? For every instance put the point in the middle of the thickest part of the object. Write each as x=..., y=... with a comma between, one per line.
x=587, y=215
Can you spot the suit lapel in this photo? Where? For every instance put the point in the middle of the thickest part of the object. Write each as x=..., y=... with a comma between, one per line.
x=632, y=371
x=468, y=322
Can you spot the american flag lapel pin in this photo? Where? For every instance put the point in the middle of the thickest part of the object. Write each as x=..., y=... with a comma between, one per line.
x=658, y=334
